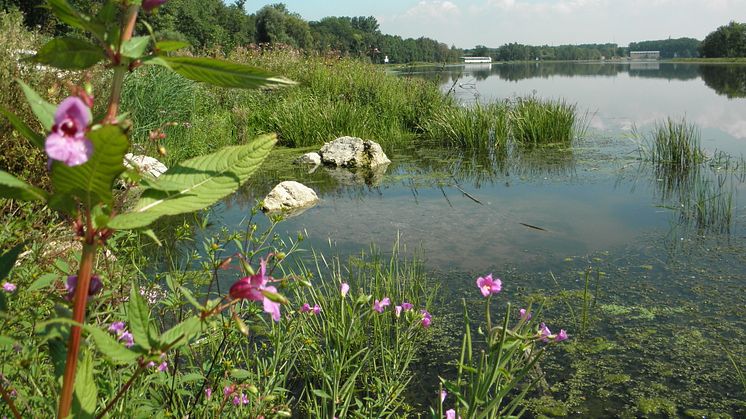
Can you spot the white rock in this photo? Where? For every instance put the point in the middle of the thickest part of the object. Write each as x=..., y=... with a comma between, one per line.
x=289, y=196
x=311, y=159
x=147, y=165
x=353, y=152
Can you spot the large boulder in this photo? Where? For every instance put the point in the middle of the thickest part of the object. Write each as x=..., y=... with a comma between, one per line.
x=147, y=165
x=309, y=159
x=289, y=196
x=353, y=152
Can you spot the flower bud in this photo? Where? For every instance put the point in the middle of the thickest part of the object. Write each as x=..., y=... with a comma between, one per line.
x=149, y=5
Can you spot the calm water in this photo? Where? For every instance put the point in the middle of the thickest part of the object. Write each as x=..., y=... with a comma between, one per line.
x=667, y=254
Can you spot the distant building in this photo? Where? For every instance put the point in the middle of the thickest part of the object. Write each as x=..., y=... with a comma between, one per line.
x=471, y=60
x=645, y=55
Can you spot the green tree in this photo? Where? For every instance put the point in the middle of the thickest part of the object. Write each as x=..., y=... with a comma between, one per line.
x=726, y=41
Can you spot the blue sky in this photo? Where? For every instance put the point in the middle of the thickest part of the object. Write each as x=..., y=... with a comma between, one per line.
x=467, y=23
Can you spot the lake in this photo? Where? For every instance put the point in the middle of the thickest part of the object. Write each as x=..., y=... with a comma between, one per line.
x=664, y=255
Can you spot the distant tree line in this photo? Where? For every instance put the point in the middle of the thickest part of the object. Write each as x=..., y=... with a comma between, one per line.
x=209, y=24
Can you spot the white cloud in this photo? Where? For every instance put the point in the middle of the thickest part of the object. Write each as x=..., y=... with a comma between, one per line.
x=432, y=9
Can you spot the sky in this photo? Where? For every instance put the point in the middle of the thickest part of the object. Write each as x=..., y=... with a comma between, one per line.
x=467, y=23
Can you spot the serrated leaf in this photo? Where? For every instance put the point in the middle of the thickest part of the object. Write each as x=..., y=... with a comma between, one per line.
x=138, y=315
x=91, y=182
x=8, y=260
x=204, y=180
x=240, y=374
x=14, y=188
x=110, y=347
x=135, y=46
x=182, y=333
x=43, y=110
x=66, y=13
x=168, y=46
x=222, y=73
x=86, y=392
x=43, y=281
x=69, y=54
x=20, y=126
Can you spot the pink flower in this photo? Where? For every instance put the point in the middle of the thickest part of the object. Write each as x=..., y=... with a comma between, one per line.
x=451, y=414
x=208, y=393
x=72, y=281
x=489, y=286
x=562, y=335
x=398, y=310
x=127, y=338
x=149, y=5
x=525, y=316
x=305, y=308
x=443, y=395
x=8, y=287
x=227, y=390
x=379, y=306
x=163, y=367
x=150, y=364
x=426, y=318
x=406, y=306
x=344, y=288
x=240, y=399
x=251, y=287
x=316, y=309
x=67, y=142
x=117, y=327
x=544, y=332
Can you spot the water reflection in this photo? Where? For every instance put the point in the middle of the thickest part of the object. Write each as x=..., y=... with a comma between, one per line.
x=728, y=80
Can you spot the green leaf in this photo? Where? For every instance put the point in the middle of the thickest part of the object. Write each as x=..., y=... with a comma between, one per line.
x=135, y=47
x=69, y=54
x=138, y=315
x=240, y=374
x=66, y=13
x=190, y=298
x=182, y=333
x=6, y=341
x=43, y=110
x=222, y=73
x=321, y=393
x=86, y=393
x=20, y=126
x=112, y=348
x=168, y=46
x=204, y=180
x=42, y=282
x=8, y=260
x=91, y=183
x=14, y=188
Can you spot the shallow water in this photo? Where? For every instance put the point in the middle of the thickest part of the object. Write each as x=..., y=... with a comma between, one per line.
x=669, y=288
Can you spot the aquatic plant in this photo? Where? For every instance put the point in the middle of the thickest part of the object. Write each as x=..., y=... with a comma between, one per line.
x=675, y=145
x=477, y=127
x=539, y=122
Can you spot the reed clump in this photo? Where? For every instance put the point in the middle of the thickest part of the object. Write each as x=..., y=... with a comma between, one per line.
x=537, y=122
x=675, y=145
x=478, y=126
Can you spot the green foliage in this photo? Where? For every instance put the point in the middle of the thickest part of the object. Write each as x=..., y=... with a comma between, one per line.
x=196, y=183
x=536, y=122
x=222, y=73
x=11, y=187
x=69, y=54
x=669, y=48
x=675, y=144
x=478, y=126
x=726, y=41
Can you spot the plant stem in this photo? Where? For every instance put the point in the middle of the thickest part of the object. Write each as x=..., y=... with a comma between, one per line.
x=120, y=70
x=10, y=403
x=122, y=390
x=73, y=345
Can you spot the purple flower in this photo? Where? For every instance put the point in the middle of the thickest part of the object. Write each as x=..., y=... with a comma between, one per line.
x=149, y=5
x=270, y=307
x=127, y=338
x=150, y=364
x=117, y=327
x=72, y=282
x=208, y=393
x=344, y=288
x=251, y=287
x=163, y=367
x=489, y=286
x=240, y=399
x=316, y=309
x=227, y=390
x=562, y=335
x=8, y=287
x=525, y=315
x=451, y=414
x=379, y=306
x=305, y=308
x=544, y=332
x=443, y=395
x=406, y=306
x=426, y=318
x=67, y=142
x=398, y=310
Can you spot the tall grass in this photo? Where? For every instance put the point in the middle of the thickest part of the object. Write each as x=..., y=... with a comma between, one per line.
x=479, y=126
x=675, y=145
x=536, y=122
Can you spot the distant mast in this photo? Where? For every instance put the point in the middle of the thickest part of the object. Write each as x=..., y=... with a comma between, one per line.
x=476, y=60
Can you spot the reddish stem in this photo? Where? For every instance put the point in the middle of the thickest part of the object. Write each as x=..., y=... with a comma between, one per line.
x=10, y=403
x=119, y=70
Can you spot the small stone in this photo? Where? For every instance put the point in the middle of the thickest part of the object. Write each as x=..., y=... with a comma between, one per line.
x=289, y=196
x=147, y=165
x=311, y=159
